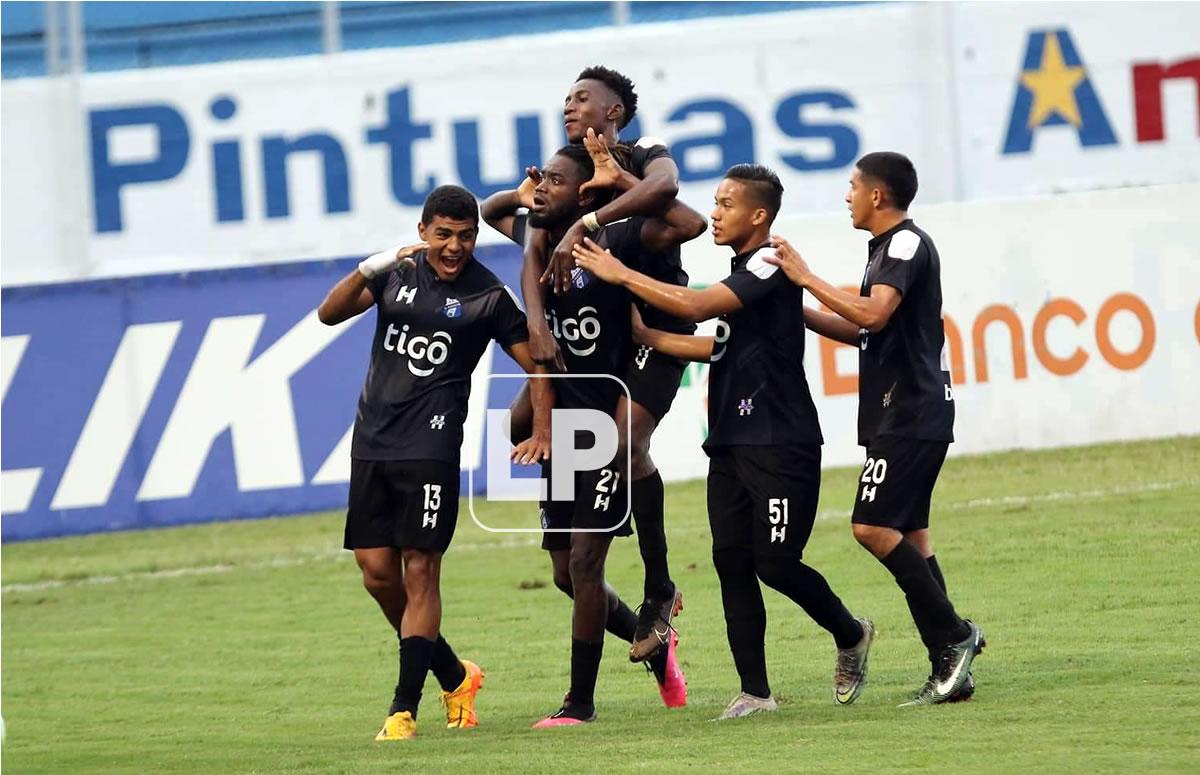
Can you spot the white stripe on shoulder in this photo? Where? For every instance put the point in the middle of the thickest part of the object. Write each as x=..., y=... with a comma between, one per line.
x=516, y=301
x=649, y=142
x=903, y=245
x=760, y=268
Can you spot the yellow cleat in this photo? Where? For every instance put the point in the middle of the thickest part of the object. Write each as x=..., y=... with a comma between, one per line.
x=399, y=726
x=460, y=703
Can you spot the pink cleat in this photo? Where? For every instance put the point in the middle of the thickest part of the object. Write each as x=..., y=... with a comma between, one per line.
x=558, y=721
x=560, y=718
x=673, y=687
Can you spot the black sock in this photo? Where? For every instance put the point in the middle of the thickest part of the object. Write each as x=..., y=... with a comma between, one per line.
x=415, y=655
x=809, y=589
x=647, y=495
x=622, y=621
x=932, y=611
x=936, y=570
x=446, y=666
x=585, y=666
x=745, y=617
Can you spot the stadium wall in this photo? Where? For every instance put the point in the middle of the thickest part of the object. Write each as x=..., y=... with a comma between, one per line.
x=157, y=400
x=180, y=169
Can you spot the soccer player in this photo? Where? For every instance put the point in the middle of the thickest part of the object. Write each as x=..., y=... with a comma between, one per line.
x=438, y=310
x=764, y=439
x=591, y=325
x=598, y=105
x=905, y=404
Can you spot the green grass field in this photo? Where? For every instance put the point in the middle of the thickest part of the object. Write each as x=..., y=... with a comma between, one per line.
x=251, y=647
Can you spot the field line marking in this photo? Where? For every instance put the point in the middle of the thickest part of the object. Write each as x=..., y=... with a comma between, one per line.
x=825, y=514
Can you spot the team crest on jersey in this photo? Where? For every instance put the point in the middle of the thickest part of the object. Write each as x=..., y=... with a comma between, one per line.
x=745, y=407
x=453, y=308
x=580, y=278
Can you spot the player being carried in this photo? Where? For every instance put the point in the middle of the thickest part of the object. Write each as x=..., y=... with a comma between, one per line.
x=591, y=326
x=598, y=105
x=438, y=311
x=905, y=404
x=764, y=440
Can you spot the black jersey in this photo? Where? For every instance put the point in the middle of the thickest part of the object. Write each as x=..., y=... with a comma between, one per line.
x=757, y=391
x=429, y=337
x=591, y=322
x=664, y=266
x=635, y=155
x=903, y=375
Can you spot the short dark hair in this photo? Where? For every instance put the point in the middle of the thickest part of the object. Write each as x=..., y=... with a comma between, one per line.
x=452, y=202
x=762, y=183
x=582, y=159
x=895, y=171
x=620, y=85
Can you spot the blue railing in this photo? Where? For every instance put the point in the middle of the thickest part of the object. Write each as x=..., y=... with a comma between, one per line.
x=127, y=35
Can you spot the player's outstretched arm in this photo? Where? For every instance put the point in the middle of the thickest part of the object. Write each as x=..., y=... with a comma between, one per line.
x=869, y=312
x=537, y=447
x=686, y=303
x=679, y=224
x=351, y=296
x=500, y=209
x=831, y=326
x=683, y=346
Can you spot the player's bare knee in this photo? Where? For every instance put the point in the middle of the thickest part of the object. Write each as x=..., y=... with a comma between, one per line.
x=420, y=574
x=635, y=447
x=562, y=580
x=587, y=564
x=865, y=534
x=380, y=579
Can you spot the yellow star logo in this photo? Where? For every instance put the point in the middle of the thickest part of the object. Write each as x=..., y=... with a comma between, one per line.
x=1053, y=86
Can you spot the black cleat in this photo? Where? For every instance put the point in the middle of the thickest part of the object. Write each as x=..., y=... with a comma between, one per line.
x=654, y=626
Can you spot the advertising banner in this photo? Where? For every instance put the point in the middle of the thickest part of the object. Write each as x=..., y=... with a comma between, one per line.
x=181, y=169
x=177, y=398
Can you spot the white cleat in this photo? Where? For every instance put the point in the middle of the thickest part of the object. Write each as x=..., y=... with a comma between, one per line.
x=747, y=704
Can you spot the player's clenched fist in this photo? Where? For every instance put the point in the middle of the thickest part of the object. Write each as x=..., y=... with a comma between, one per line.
x=387, y=260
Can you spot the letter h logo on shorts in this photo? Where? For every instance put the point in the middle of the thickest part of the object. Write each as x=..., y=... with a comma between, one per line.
x=874, y=472
x=584, y=449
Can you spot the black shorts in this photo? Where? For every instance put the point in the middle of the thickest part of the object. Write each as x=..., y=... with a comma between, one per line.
x=402, y=504
x=896, y=482
x=653, y=380
x=763, y=498
x=601, y=504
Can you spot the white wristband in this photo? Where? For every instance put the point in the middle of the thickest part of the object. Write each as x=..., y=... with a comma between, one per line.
x=590, y=222
x=377, y=264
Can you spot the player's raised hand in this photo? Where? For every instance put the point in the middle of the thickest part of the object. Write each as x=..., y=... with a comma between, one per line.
x=533, y=176
x=789, y=260
x=598, y=261
x=532, y=450
x=608, y=172
x=387, y=260
x=558, y=268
